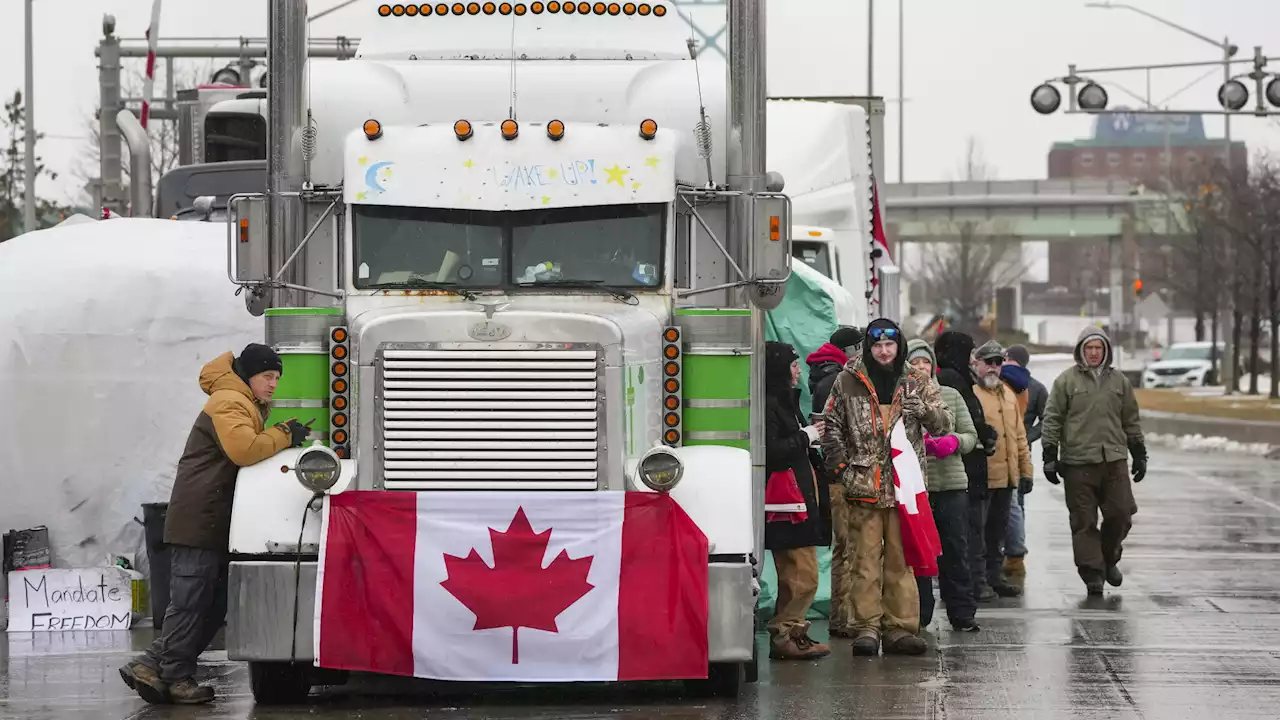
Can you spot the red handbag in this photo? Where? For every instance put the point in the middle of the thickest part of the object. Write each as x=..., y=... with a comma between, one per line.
x=783, y=501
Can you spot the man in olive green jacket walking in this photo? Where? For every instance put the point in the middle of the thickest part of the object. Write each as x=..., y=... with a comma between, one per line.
x=1089, y=423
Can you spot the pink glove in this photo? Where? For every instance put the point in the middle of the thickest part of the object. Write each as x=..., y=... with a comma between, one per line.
x=941, y=447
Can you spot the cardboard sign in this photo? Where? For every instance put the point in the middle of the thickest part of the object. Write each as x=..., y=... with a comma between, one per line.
x=55, y=600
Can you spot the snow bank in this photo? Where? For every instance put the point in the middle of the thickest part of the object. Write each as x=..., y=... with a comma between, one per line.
x=1200, y=443
x=104, y=327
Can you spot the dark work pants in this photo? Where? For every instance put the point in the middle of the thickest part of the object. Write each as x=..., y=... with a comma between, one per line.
x=955, y=584
x=988, y=521
x=997, y=527
x=1089, y=489
x=197, y=609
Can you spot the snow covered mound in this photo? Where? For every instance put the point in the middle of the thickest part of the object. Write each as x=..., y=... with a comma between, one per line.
x=1201, y=443
x=104, y=327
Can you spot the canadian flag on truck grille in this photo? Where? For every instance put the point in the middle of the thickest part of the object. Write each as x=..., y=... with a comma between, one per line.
x=512, y=586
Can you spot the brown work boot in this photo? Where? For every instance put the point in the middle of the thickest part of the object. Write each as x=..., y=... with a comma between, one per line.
x=146, y=682
x=1015, y=567
x=187, y=692
x=808, y=644
x=901, y=642
x=794, y=645
x=867, y=643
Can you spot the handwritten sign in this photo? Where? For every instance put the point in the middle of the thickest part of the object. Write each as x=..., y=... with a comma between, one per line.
x=55, y=600
x=570, y=173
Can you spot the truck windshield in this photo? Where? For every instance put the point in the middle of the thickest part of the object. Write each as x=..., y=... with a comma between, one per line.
x=612, y=245
x=814, y=254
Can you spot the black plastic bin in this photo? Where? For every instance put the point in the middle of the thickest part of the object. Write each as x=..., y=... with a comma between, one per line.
x=153, y=515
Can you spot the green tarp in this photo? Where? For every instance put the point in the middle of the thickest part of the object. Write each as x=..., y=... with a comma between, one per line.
x=811, y=310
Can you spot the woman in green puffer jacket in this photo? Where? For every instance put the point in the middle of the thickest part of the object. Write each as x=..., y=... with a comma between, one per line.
x=948, y=498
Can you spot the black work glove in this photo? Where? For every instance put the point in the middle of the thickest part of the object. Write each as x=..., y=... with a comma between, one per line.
x=1139, y=451
x=1051, y=464
x=1024, y=485
x=988, y=435
x=297, y=432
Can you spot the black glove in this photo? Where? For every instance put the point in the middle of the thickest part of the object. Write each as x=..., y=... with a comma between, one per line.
x=297, y=432
x=1051, y=464
x=989, y=437
x=1139, y=452
x=1024, y=485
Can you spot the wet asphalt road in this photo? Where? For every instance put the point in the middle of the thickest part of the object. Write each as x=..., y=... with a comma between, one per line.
x=1194, y=632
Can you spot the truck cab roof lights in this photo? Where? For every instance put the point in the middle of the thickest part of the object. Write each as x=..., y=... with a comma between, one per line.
x=645, y=9
x=473, y=8
x=659, y=10
x=510, y=129
x=629, y=9
x=648, y=129
x=489, y=8
x=462, y=129
x=492, y=7
x=372, y=129
x=520, y=8
x=614, y=8
x=505, y=8
x=555, y=129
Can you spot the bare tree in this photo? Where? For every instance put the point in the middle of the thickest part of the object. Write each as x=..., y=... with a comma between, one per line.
x=964, y=271
x=163, y=133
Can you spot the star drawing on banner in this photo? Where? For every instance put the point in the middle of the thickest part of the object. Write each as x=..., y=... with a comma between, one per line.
x=615, y=174
x=361, y=195
x=652, y=161
x=363, y=160
x=553, y=173
x=546, y=199
x=468, y=164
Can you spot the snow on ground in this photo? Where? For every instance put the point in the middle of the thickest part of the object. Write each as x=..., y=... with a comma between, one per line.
x=1201, y=443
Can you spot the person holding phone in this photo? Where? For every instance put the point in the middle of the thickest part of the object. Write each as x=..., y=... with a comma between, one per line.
x=229, y=433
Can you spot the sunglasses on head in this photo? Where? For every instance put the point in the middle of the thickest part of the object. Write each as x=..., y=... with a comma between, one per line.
x=882, y=333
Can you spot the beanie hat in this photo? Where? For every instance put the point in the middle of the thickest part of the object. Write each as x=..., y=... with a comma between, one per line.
x=1018, y=354
x=846, y=336
x=257, y=358
x=921, y=352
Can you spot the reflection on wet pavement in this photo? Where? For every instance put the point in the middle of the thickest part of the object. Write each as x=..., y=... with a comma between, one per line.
x=1194, y=632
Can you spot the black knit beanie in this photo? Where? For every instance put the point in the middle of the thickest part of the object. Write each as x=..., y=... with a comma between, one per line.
x=256, y=358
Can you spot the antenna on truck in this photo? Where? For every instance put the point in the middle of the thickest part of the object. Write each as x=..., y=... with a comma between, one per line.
x=511, y=109
x=702, y=131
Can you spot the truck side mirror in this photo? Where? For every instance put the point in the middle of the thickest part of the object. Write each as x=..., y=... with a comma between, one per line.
x=247, y=247
x=770, y=250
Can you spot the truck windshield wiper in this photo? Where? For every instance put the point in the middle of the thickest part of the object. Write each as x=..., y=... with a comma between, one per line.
x=419, y=284
x=621, y=294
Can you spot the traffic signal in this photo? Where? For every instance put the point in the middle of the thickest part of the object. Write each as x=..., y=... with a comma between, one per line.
x=1137, y=288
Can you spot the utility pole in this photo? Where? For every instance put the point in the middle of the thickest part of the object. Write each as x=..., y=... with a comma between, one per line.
x=29, y=187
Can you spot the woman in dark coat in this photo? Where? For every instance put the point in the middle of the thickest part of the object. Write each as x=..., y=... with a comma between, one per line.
x=792, y=535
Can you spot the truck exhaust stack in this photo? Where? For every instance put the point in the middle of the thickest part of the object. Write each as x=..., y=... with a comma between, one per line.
x=287, y=60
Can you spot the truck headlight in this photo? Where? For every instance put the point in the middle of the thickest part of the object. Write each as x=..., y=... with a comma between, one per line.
x=318, y=468
x=660, y=469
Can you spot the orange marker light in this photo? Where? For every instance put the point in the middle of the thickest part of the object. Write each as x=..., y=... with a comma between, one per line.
x=671, y=369
x=340, y=419
x=671, y=352
x=510, y=129
x=340, y=369
x=490, y=8
x=473, y=9
x=553, y=6
x=384, y=10
x=584, y=8
x=672, y=385
x=614, y=8
x=672, y=402
x=569, y=8
x=442, y=9
x=648, y=129
x=341, y=453
x=599, y=8
x=537, y=8
x=338, y=335
x=644, y=9
x=425, y=9
x=659, y=10
x=775, y=225
x=555, y=129
x=671, y=419
x=411, y=10
x=629, y=9
x=340, y=403
x=672, y=436
x=339, y=386
x=459, y=8
x=671, y=335
x=372, y=129
x=397, y=10
x=505, y=8
x=340, y=436
x=340, y=352
x=520, y=8
x=462, y=129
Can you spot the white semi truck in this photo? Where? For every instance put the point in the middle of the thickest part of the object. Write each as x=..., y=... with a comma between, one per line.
x=515, y=246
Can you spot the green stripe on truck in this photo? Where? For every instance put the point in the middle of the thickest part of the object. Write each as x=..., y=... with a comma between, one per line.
x=305, y=377
x=280, y=312
x=717, y=377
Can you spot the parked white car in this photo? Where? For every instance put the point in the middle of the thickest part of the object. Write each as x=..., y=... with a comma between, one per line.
x=1181, y=364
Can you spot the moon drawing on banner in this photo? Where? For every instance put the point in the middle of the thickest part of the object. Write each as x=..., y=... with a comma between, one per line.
x=371, y=176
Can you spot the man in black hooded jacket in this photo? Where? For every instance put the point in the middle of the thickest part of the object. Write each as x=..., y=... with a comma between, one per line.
x=954, y=351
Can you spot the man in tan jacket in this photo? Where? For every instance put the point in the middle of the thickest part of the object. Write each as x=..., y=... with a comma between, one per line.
x=1009, y=468
x=229, y=433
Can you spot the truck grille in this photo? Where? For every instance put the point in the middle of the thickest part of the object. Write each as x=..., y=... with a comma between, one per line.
x=489, y=419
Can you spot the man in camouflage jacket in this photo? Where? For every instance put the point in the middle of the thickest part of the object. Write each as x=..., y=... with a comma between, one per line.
x=856, y=446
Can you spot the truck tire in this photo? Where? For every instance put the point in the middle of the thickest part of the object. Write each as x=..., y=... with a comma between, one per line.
x=724, y=680
x=279, y=683
x=753, y=667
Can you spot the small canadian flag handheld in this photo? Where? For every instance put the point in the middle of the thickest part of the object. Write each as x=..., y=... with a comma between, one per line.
x=512, y=586
x=920, y=543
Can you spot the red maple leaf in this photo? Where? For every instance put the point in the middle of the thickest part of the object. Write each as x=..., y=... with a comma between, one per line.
x=517, y=591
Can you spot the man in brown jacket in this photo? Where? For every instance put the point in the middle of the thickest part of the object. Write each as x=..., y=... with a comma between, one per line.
x=229, y=434
x=1007, y=470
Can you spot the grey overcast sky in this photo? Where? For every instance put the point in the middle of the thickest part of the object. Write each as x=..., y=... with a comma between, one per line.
x=970, y=65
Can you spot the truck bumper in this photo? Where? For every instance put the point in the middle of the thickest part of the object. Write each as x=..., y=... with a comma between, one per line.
x=260, y=616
